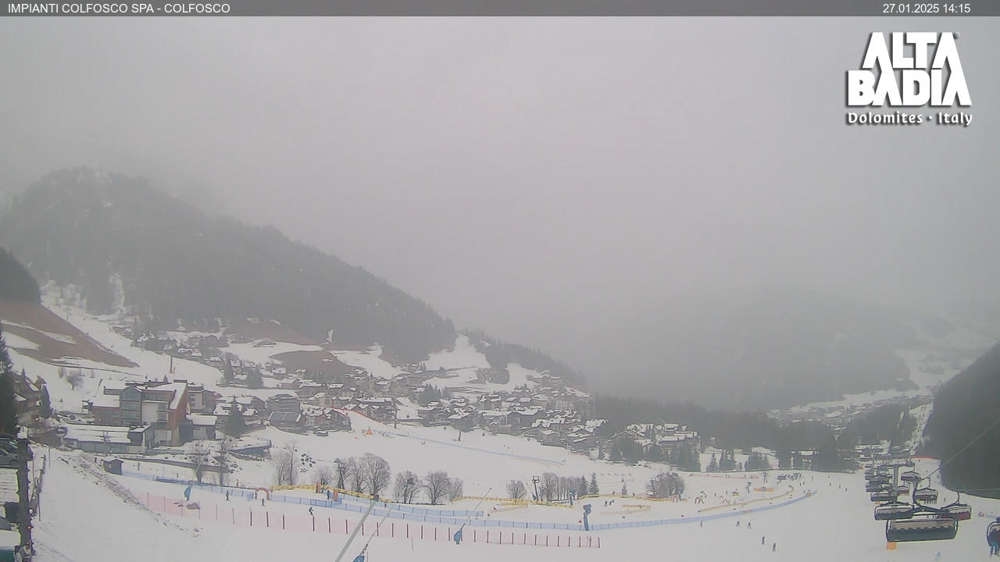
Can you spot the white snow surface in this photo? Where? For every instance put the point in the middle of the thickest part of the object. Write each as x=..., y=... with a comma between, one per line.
x=369, y=360
x=832, y=526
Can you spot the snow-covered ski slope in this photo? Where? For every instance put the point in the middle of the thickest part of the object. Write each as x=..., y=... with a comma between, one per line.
x=87, y=515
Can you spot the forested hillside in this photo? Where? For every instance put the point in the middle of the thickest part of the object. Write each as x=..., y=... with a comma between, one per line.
x=125, y=243
x=16, y=283
x=967, y=414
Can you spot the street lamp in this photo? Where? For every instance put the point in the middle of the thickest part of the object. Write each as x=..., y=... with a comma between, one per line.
x=535, y=480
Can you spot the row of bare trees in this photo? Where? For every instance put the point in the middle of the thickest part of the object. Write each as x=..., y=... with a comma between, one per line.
x=552, y=487
x=370, y=474
x=435, y=487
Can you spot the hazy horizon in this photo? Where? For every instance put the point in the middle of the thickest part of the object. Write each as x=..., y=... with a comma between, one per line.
x=554, y=182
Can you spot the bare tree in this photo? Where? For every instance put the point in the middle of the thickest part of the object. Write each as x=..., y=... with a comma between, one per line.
x=286, y=467
x=199, y=458
x=353, y=477
x=516, y=490
x=438, y=484
x=375, y=473
x=324, y=475
x=406, y=487
x=550, y=486
x=456, y=490
x=223, y=459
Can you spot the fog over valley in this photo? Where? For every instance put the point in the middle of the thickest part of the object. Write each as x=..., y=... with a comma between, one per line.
x=670, y=222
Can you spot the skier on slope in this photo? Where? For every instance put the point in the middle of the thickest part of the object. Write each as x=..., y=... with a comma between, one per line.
x=993, y=537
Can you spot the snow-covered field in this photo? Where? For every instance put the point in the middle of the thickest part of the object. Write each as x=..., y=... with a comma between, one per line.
x=369, y=360
x=91, y=516
x=461, y=364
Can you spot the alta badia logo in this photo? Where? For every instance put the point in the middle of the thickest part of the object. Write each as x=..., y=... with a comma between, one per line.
x=918, y=72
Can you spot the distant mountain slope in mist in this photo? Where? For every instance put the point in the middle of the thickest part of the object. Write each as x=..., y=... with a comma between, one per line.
x=16, y=283
x=966, y=411
x=769, y=349
x=116, y=237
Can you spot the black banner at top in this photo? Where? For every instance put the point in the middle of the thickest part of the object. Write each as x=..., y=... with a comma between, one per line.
x=488, y=8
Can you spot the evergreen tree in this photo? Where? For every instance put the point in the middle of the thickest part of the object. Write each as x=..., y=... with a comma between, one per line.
x=8, y=410
x=254, y=378
x=713, y=465
x=594, y=490
x=227, y=369
x=45, y=403
x=235, y=424
x=827, y=458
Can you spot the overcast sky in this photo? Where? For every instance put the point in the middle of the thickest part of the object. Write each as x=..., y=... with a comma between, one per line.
x=543, y=179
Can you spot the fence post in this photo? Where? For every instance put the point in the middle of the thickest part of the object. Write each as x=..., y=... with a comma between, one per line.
x=251, y=518
x=282, y=521
x=267, y=519
x=234, y=516
x=421, y=532
x=164, y=504
x=329, y=525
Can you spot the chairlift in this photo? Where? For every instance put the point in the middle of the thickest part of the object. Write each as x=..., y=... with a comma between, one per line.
x=902, y=489
x=893, y=510
x=883, y=496
x=957, y=509
x=910, y=476
x=931, y=528
x=929, y=495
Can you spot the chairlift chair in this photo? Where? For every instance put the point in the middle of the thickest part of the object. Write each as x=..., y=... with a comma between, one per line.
x=930, y=528
x=929, y=495
x=958, y=511
x=883, y=496
x=893, y=510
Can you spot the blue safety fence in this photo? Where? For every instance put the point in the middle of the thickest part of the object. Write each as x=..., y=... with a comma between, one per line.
x=392, y=511
x=234, y=492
